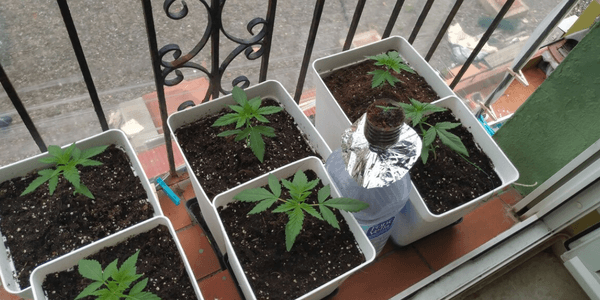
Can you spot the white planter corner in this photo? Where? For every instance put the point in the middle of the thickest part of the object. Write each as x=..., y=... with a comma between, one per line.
x=72, y=259
x=28, y=165
x=416, y=221
x=268, y=89
x=330, y=119
x=309, y=163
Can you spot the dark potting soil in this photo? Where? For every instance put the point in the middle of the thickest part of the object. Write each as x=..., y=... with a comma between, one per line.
x=220, y=163
x=39, y=227
x=158, y=260
x=320, y=252
x=351, y=88
x=447, y=180
x=391, y=118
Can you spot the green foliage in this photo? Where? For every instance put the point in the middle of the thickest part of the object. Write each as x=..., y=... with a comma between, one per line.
x=299, y=188
x=244, y=112
x=116, y=280
x=417, y=112
x=386, y=108
x=66, y=162
x=390, y=60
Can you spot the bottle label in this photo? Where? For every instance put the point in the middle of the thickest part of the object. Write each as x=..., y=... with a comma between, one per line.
x=379, y=229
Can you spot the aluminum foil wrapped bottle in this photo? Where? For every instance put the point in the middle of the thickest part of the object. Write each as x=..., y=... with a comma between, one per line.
x=372, y=165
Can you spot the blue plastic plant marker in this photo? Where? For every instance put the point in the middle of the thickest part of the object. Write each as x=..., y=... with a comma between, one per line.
x=168, y=190
x=487, y=127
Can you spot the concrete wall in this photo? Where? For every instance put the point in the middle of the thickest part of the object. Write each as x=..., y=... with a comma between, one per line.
x=560, y=119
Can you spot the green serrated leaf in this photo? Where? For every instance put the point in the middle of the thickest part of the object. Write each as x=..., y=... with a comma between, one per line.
x=129, y=264
x=324, y=192
x=90, y=289
x=239, y=95
x=425, y=154
x=262, y=206
x=264, y=130
x=311, y=211
x=274, y=185
x=146, y=296
x=90, y=269
x=285, y=207
x=255, y=103
x=236, y=108
x=55, y=151
x=72, y=175
x=329, y=216
x=52, y=184
x=446, y=125
x=293, y=227
x=226, y=120
x=89, y=162
x=44, y=176
x=138, y=287
x=82, y=189
x=242, y=135
x=253, y=195
x=260, y=118
x=429, y=137
x=268, y=110
x=110, y=270
x=347, y=204
x=300, y=179
x=229, y=132
x=257, y=145
x=452, y=141
x=49, y=160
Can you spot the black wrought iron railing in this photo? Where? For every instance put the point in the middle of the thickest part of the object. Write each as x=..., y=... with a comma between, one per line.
x=258, y=46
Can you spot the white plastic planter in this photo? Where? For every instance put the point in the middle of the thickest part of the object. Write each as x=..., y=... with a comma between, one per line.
x=72, y=259
x=330, y=119
x=415, y=220
x=23, y=167
x=267, y=89
x=309, y=163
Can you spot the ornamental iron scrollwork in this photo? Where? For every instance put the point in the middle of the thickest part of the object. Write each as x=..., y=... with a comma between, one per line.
x=212, y=32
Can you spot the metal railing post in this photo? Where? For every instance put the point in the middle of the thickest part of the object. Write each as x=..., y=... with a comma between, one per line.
x=312, y=34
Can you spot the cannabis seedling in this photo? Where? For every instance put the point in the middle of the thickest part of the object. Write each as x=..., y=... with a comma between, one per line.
x=416, y=111
x=115, y=280
x=386, y=108
x=66, y=162
x=244, y=112
x=299, y=190
x=390, y=60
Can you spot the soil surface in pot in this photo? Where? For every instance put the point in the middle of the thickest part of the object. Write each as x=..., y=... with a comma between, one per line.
x=39, y=227
x=320, y=252
x=447, y=180
x=384, y=115
x=351, y=88
x=220, y=163
x=159, y=261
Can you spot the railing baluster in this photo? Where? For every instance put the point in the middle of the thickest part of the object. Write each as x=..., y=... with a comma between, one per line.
x=393, y=19
x=16, y=101
x=486, y=36
x=354, y=24
x=264, y=64
x=312, y=34
x=420, y=21
x=159, y=82
x=85, y=70
x=442, y=32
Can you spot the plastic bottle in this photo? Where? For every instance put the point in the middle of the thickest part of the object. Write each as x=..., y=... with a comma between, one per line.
x=385, y=203
x=372, y=166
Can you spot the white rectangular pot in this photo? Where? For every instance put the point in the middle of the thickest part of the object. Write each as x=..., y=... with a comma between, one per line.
x=267, y=89
x=416, y=221
x=330, y=119
x=23, y=167
x=309, y=163
x=72, y=259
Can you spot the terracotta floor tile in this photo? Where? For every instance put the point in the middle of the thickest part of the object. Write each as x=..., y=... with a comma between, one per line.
x=176, y=213
x=199, y=253
x=187, y=190
x=4, y=295
x=386, y=277
x=511, y=196
x=443, y=247
x=220, y=286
